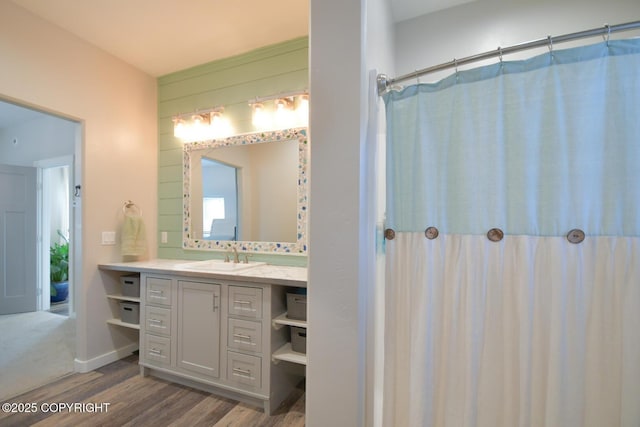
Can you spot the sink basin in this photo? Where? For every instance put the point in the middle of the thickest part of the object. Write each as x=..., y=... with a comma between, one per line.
x=220, y=265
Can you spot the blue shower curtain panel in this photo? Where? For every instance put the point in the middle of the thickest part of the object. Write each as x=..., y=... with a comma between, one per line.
x=535, y=147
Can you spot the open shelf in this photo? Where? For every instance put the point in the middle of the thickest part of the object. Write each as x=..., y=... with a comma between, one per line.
x=288, y=355
x=283, y=320
x=123, y=297
x=119, y=322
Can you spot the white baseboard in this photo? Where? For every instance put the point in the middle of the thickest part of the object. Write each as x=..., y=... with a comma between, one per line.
x=83, y=366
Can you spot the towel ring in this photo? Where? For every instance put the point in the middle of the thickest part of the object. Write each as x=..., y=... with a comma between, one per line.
x=132, y=207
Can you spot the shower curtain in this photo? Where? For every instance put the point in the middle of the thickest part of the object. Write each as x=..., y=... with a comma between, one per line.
x=531, y=329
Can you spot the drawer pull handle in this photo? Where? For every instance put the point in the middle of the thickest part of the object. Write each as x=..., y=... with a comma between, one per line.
x=242, y=373
x=243, y=339
x=155, y=321
x=155, y=292
x=244, y=302
x=155, y=352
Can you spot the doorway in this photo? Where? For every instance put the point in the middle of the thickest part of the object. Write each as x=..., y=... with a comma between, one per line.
x=54, y=216
x=39, y=343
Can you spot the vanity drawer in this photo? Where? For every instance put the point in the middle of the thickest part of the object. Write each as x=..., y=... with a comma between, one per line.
x=244, y=371
x=158, y=320
x=245, y=301
x=157, y=349
x=245, y=335
x=158, y=291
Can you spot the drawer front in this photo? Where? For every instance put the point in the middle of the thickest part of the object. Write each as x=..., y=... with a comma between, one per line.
x=157, y=350
x=158, y=291
x=244, y=371
x=245, y=301
x=158, y=320
x=245, y=335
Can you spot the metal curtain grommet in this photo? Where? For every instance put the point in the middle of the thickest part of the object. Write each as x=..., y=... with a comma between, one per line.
x=495, y=234
x=575, y=236
x=389, y=234
x=431, y=233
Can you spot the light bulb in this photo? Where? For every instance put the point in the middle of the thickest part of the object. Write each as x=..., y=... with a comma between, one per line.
x=179, y=128
x=283, y=116
x=260, y=117
x=302, y=112
x=220, y=127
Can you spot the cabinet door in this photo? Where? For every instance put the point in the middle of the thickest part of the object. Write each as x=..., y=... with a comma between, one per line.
x=199, y=328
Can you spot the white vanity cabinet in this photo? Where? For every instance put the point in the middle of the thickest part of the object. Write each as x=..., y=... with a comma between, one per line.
x=215, y=335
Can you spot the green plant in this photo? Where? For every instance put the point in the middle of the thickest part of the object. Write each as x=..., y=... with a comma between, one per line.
x=59, y=256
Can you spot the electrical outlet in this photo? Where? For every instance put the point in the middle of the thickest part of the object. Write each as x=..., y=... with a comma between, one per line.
x=163, y=237
x=108, y=237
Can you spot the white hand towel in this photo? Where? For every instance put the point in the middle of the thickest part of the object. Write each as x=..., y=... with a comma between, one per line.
x=134, y=240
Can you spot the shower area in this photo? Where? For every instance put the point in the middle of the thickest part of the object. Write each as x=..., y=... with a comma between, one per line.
x=512, y=237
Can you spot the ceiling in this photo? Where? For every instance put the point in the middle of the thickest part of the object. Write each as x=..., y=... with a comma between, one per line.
x=163, y=36
x=11, y=114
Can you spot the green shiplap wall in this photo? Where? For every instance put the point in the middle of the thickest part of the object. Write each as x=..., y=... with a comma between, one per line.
x=231, y=83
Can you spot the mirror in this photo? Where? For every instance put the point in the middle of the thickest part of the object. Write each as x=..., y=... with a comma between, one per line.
x=247, y=191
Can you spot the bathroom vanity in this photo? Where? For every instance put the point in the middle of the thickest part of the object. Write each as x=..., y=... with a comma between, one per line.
x=221, y=331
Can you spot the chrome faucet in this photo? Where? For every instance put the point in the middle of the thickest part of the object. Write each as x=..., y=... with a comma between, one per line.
x=233, y=251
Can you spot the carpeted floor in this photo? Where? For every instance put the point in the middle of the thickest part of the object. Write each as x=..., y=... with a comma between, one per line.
x=35, y=348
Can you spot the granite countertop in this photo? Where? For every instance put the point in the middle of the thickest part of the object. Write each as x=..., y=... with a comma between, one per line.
x=267, y=273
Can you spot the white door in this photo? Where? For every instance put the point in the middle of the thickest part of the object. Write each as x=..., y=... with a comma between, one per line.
x=18, y=231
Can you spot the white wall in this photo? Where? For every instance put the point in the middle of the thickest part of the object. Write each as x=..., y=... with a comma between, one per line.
x=485, y=25
x=334, y=378
x=380, y=37
x=49, y=69
x=346, y=40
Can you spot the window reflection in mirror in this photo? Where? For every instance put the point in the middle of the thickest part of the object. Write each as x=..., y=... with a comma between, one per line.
x=219, y=200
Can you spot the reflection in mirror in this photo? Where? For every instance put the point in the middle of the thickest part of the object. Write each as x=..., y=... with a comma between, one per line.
x=219, y=200
x=248, y=191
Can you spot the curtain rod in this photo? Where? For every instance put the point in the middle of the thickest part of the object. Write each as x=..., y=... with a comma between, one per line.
x=384, y=82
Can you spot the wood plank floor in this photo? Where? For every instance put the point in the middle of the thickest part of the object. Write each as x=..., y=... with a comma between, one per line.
x=137, y=401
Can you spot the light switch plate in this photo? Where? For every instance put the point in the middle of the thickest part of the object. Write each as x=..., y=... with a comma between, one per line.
x=108, y=237
x=163, y=237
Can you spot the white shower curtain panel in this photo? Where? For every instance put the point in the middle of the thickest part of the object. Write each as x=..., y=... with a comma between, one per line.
x=532, y=330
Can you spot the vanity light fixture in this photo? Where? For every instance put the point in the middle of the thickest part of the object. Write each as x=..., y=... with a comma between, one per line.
x=285, y=113
x=202, y=125
x=287, y=110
